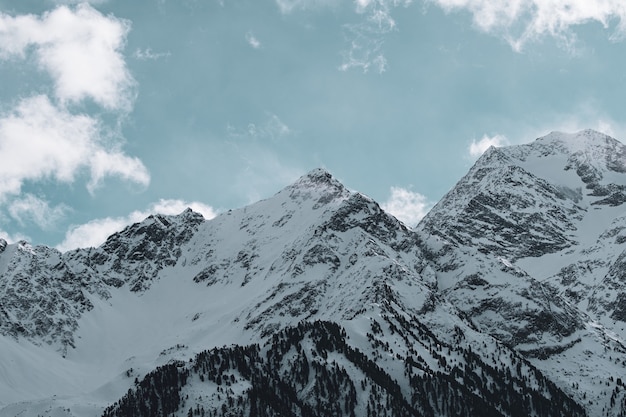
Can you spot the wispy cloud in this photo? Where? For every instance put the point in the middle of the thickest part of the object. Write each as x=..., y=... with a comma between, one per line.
x=95, y=232
x=365, y=51
x=365, y=39
x=80, y=1
x=272, y=128
x=253, y=41
x=79, y=48
x=522, y=21
x=40, y=141
x=289, y=6
x=262, y=172
x=477, y=148
x=149, y=55
x=34, y=209
x=407, y=206
x=261, y=169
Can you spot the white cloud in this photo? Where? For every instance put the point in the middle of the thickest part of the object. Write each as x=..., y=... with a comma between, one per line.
x=40, y=141
x=407, y=206
x=276, y=128
x=81, y=50
x=149, y=54
x=32, y=208
x=43, y=137
x=538, y=18
x=95, y=232
x=253, y=41
x=273, y=128
x=112, y=162
x=289, y=6
x=362, y=4
x=365, y=52
x=92, y=234
x=476, y=149
x=13, y=238
x=365, y=39
x=80, y=1
x=169, y=207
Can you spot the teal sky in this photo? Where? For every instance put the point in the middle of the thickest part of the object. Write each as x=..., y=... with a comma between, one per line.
x=112, y=110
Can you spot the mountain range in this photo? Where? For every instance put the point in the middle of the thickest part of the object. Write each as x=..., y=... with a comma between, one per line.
x=507, y=299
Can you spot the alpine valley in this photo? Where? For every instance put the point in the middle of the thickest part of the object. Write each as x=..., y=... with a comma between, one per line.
x=508, y=299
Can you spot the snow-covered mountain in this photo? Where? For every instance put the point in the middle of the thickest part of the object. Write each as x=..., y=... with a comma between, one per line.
x=504, y=301
x=532, y=253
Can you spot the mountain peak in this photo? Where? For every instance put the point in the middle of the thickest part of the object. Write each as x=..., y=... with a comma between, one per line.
x=318, y=177
x=586, y=158
x=584, y=140
x=540, y=190
x=318, y=185
x=166, y=220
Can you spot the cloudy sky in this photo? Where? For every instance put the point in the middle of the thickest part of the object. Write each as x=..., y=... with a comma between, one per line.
x=113, y=109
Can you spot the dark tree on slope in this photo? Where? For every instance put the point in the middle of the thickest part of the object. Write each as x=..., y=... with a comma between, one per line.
x=287, y=379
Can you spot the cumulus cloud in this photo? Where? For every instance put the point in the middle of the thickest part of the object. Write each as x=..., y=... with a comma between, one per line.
x=407, y=206
x=79, y=48
x=95, y=232
x=476, y=149
x=32, y=208
x=40, y=141
x=45, y=137
x=521, y=21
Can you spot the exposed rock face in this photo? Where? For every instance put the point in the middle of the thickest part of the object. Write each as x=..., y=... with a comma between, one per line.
x=135, y=255
x=41, y=298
